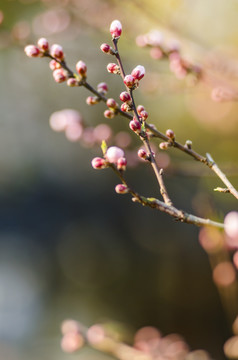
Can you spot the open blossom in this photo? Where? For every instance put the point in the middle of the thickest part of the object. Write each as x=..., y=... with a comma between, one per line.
x=116, y=29
x=113, y=154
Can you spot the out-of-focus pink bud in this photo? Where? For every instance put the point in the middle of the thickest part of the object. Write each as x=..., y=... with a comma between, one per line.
x=53, y=64
x=144, y=115
x=111, y=103
x=32, y=51
x=138, y=72
x=99, y=163
x=43, y=44
x=116, y=29
x=81, y=68
x=105, y=48
x=129, y=81
x=121, y=163
x=113, y=154
x=102, y=88
x=72, y=342
x=113, y=68
x=163, y=145
x=170, y=134
x=125, y=96
x=59, y=75
x=140, y=108
x=126, y=107
x=142, y=154
x=92, y=100
x=135, y=125
x=102, y=132
x=121, y=189
x=72, y=82
x=57, y=51
x=231, y=228
x=109, y=114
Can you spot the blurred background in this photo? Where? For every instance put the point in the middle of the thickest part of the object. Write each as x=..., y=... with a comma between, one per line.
x=70, y=247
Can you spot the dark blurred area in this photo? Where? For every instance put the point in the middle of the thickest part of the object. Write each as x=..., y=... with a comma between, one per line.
x=70, y=247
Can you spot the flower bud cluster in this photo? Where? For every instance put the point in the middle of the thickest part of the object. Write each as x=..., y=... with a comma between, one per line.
x=132, y=80
x=114, y=155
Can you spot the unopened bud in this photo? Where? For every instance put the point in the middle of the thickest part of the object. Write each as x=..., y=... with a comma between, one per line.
x=125, y=96
x=116, y=29
x=59, y=75
x=129, y=81
x=188, y=144
x=121, y=163
x=126, y=107
x=144, y=115
x=142, y=154
x=109, y=114
x=32, y=51
x=140, y=108
x=53, y=64
x=43, y=44
x=57, y=51
x=113, y=68
x=99, y=163
x=102, y=87
x=105, y=48
x=92, y=100
x=135, y=125
x=72, y=342
x=72, y=82
x=81, y=68
x=138, y=72
x=121, y=189
x=111, y=103
x=164, y=145
x=170, y=134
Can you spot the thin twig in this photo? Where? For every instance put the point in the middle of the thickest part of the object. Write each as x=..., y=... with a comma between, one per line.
x=221, y=175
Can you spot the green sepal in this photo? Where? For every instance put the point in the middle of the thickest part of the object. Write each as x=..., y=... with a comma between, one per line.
x=104, y=147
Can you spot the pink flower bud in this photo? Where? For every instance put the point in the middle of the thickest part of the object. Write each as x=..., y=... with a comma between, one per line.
x=105, y=48
x=144, y=115
x=170, y=134
x=140, y=108
x=135, y=125
x=43, y=44
x=109, y=114
x=125, y=96
x=111, y=103
x=57, y=51
x=92, y=100
x=121, y=189
x=72, y=342
x=142, y=154
x=113, y=68
x=121, y=163
x=116, y=29
x=81, y=68
x=113, y=154
x=138, y=72
x=231, y=226
x=99, y=163
x=72, y=82
x=164, y=145
x=126, y=107
x=32, y=51
x=54, y=65
x=129, y=81
x=59, y=75
x=102, y=88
